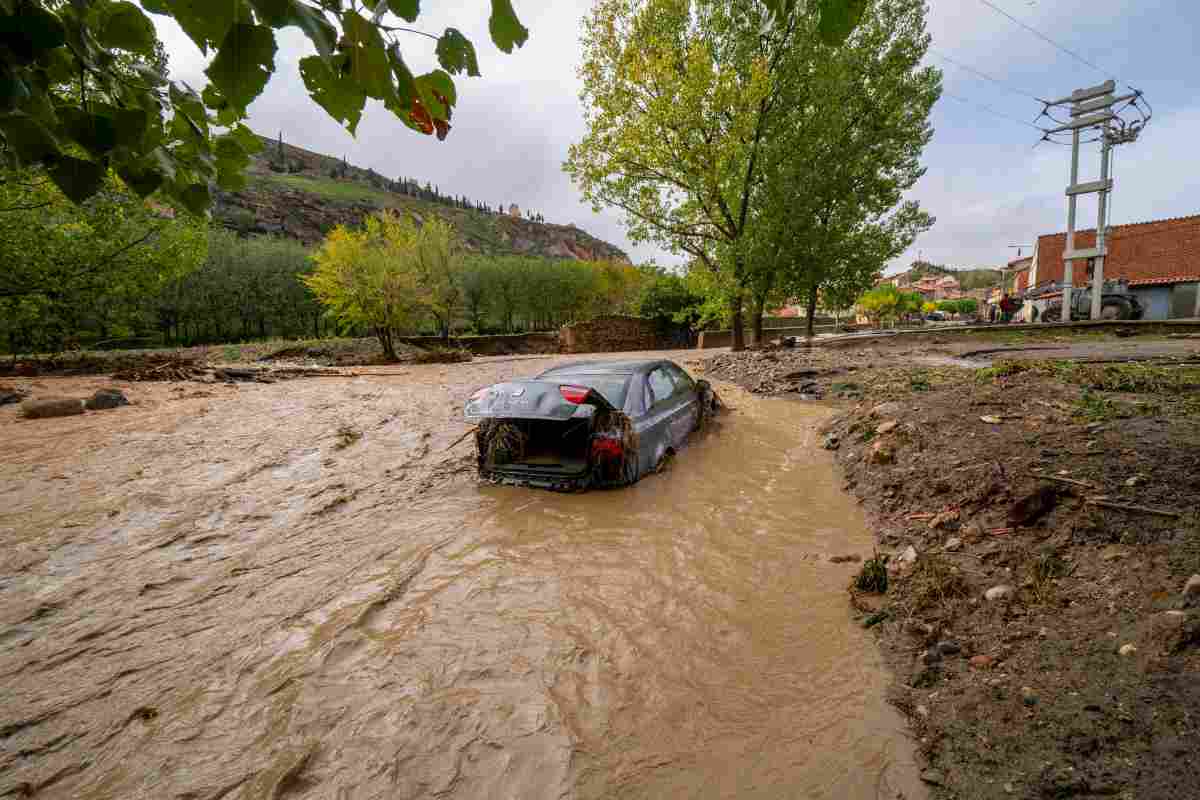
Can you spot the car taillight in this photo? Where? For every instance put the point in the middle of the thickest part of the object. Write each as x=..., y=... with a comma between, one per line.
x=604, y=448
x=574, y=394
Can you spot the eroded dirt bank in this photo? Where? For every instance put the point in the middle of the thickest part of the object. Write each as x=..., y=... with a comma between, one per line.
x=1041, y=523
x=297, y=590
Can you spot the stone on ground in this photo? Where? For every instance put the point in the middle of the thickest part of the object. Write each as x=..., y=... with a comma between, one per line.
x=1001, y=592
x=107, y=398
x=52, y=407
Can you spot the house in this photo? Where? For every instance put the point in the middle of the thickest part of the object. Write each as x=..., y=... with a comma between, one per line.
x=1160, y=260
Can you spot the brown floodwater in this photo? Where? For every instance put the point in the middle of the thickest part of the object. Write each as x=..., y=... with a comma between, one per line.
x=300, y=590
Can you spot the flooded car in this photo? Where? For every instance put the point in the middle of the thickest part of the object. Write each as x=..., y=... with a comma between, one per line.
x=585, y=424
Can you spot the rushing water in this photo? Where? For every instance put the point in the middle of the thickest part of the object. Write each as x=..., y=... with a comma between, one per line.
x=215, y=599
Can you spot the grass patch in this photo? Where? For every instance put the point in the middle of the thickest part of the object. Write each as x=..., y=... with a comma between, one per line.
x=918, y=381
x=1005, y=368
x=935, y=582
x=1043, y=571
x=873, y=576
x=331, y=189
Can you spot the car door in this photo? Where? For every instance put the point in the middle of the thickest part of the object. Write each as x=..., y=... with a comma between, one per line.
x=687, y=405
x=662, y=405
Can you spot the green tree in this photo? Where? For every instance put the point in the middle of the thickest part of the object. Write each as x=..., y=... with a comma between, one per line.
x=439, y=263
x=880, y=303
x=160, y=135
x=835, y=175
x=680, y=98
x=369, y=278
x=83, y=270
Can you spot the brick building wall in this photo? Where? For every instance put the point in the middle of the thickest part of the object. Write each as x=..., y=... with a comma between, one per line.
x=1162, y=252
x=610, y=334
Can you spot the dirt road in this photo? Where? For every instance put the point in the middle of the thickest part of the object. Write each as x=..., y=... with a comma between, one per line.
x=296, y=591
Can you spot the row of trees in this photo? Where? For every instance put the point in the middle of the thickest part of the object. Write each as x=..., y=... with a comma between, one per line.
x=739, y=134
x=886, y=303
x=393, y=278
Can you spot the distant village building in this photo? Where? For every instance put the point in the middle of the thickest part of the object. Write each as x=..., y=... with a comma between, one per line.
x=1160, y=261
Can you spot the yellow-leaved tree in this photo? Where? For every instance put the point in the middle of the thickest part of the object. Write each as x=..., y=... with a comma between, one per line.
x=370, y=277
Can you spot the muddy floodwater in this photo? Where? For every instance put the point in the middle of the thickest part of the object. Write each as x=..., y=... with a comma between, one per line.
x=300, y=590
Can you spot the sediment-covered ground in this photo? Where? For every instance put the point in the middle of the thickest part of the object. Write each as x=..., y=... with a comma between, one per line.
x=1039, y=518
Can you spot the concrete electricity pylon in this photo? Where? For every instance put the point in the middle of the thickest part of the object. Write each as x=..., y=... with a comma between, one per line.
x=1092, y=109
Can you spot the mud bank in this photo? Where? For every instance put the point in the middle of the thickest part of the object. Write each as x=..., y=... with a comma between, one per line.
x=300, y=591
x=1040, y=519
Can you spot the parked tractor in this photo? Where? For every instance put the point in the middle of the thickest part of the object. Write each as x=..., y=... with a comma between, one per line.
x=1116, y=303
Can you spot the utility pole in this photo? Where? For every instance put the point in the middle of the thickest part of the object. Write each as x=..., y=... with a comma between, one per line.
x=1091, y=109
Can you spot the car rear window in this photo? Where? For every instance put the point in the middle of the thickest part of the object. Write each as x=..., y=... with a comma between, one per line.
x=611, y=387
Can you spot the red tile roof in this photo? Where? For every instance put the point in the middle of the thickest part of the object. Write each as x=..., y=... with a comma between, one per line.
x=1163, y=251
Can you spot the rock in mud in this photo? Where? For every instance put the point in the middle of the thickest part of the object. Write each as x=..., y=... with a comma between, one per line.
x=953, y=544
x=931, y=656
x=948, y=648
x=1033, y=506
x=11, y=394
x=832, y=442
x=1192, y=587
x=887, y=427
x=981, y=662
x=1001, y=592
x=846, y=559
x=934, y=777
x=1127, y=650
x=909, y=556
x=52, y=407
x=107, y=398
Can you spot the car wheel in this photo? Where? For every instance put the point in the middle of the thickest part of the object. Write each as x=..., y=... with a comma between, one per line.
x=1052, y=314
x=1116, y=309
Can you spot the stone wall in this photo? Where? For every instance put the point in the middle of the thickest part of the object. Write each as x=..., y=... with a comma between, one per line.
x=500, y=345
x=610, y=334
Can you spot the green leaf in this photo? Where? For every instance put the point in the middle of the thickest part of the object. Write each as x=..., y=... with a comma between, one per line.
x=96, y=133
x=123, y=26
x=312, y=21
x=407, y=10
x=456, y=53
x=368, y=64
x=141, y=179
x=333, y=90
x=204, y=21
x=196, y=199
x=27, y=137
x=249, y=141
x=78, y=179
x=438, y=93
x=506, y=30
x=839, y=18
x=243, y=64
x=406, y=87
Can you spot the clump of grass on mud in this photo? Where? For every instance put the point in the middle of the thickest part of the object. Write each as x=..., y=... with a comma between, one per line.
x=346, y=436
x=1131, y=378
x=934, y=582
x=1043, y=571
x=443, y=355
x=873, y=577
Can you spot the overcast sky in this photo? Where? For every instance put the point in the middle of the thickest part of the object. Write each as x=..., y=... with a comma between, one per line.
x=987, y=184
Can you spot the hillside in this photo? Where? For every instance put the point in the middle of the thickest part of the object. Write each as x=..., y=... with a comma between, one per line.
x=968, y=279
x=301, y=194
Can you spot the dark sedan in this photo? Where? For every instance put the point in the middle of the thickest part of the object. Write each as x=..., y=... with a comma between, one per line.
x=590, y=423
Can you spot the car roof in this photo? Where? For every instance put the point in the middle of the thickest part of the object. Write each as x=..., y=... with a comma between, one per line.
x=605, y=367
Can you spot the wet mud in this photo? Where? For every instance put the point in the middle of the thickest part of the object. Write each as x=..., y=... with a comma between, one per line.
x=301, y=590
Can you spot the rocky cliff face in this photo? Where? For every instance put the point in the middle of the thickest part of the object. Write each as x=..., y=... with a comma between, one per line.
x=304, y=195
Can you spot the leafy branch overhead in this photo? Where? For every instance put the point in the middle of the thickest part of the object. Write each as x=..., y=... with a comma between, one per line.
x=70, y=102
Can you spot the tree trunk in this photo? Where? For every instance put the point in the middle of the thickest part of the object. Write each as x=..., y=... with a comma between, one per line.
x=812, y=311
x=385, y=341
x=756, y=322
x=737, y=323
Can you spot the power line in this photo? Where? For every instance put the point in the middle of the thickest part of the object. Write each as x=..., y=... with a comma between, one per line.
x=1047, y=39
x=985, y=76
x=991, y=111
